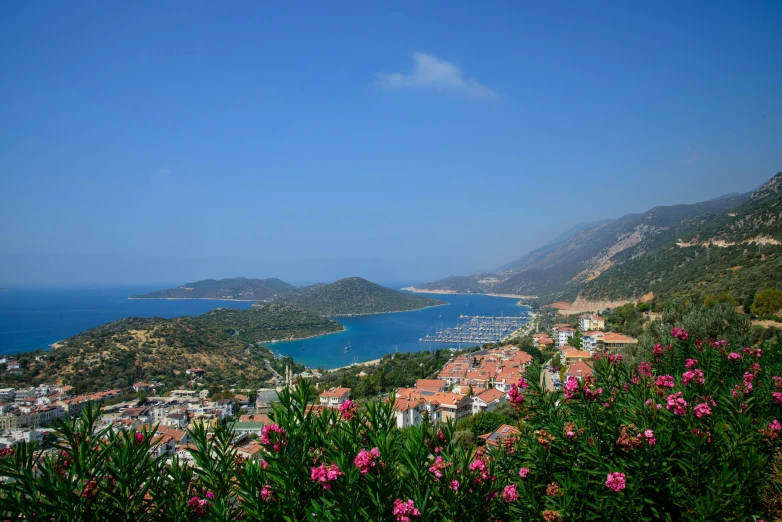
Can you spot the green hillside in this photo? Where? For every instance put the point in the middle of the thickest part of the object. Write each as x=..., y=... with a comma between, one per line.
x=356, y=296
x=224, y=342
x=738, y=251
x=238, y=288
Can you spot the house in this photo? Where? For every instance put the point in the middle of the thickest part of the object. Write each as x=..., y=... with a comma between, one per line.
x=407, y=413
x=542, y=340
x=251, y=450
x=439, y=406
x=614, y=342
x=453, y=372
x=13, y=368
x=7, y=394
x=162, y=445
x=564, y=334
x=588, y=322
x=570, y=355
x=334, y=397
x=487, y=400
x=184, y=394
x=249, y=424
x=141, y=387
x=590, y=340
x=439, y=385
x=196, y=372
x=506, y=377
x=498, y=436
x=579, y=370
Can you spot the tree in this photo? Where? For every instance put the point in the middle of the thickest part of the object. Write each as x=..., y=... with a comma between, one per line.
x=767, y=302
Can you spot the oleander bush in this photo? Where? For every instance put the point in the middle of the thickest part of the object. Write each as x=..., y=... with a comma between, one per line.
x=691, y=434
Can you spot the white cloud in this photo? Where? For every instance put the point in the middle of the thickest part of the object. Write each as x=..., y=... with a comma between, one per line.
x=430, y=72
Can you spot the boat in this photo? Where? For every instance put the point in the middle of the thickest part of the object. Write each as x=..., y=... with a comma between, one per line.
x=347, y=347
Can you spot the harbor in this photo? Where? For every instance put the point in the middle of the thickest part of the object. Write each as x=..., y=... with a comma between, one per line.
x=478, y=329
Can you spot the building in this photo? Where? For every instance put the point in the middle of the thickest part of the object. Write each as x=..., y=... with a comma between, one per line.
x=13, y=368
x=438, y=385
x=614, y=342
x=251, y=424
x=579, y=370
x=334, y=397
x=411, y=404
x=498, y=436
x=588, y=322
x=141, y=387
x=570, y=355
x=185, y=394
x=196, y=372
x=590, y=340
x=564, y=334
x=251, y=450
x=487, y=400
x=541, y=340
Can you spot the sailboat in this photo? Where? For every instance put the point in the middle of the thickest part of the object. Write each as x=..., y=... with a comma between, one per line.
x=347, y=346
x=302, y=347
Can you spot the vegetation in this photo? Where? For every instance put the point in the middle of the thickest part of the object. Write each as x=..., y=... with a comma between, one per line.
x=239, y=288
x=356, y=296
x=767, y=302
x=692, y=434
x=224, y=342
x=399, y=370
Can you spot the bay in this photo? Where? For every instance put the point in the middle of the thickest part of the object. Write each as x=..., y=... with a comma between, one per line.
x=33, y=318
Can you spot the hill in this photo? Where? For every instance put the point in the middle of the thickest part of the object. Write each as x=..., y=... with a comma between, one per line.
x=736, y=252
x=238, y=289
x=357, y=296
x=224, y=342
x=562, y=267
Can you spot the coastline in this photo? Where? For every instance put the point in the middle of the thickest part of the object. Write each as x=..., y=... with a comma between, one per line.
x=263, y=343
x=196, y=299
x=373, y=362
x=454, y=292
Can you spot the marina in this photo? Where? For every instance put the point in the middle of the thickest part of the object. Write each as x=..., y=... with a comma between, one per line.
x=478, y=329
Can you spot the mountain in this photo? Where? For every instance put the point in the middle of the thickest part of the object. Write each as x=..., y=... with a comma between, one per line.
x=356, y=296
x=238, y=288
x=561, y=268
x=737, y=252
x=224, y=342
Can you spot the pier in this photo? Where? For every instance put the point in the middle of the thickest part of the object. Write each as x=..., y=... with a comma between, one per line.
x=478, y=329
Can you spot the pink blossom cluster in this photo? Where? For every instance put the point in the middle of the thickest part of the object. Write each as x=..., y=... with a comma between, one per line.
x=267, y=495
x=658, y=350
x=777, y=396
x=454, y=485
x=650, y=402
x=366, y=460
x=665, y=381
x=755, y=368
x=438, y=467
x=771, y=431
x=273, y=435
x=690, y=363
x=753, y=352
x=199, y=505
x=348, y=409
x=514, y=395
x=590, y=392
x=746, y=385
x=326, y=474
x=680, y=333
x=733, y=356
x=616, y=481
x=523, y=472
x=571, y=386
x=677, y=404
x=613, y=359
x=693, y=376
x=509, y=494
x=403, y=511
x=701, y=410
x=645, y=369
x=138, y=437
x=648, y=435
x=481, y=465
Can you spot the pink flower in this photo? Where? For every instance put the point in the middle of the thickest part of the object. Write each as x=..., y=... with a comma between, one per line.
x=733, y=356
x=613, y=359
x=694, y=376
x=454, y=485
x=658, y=350
x=267, y=495
x=509, y=494
x=616, y=481
x=403, y=511
x=690, y=363
x=645, y=369
x=680, y=333
x=326, y=474
x=348, y=409
x=665, y=381
x=701, y=409
x=365, y=460
x=210, y=495
x=677, y=404
x=273, y=435
x=438, y=467
x=777, y=396
x=515, y=396
x=523, y=472
x=138, y=437
x=753, y=352
x=649, y=436
x=198, y=506
x=571, y=385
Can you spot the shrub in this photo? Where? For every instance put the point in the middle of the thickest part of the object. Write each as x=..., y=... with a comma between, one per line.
x=687, y=435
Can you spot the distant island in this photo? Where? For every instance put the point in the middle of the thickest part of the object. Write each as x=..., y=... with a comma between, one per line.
x=3, y=289
x=349, y=296
x=224, y=343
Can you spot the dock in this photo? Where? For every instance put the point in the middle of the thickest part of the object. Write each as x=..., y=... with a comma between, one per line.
x=478, y=329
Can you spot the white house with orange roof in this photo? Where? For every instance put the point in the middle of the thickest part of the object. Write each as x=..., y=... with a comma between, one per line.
x=579, y=370
x=487, y=400
x=570, y=355
x=251, y=450
x=564, y=334
x=615, y=342
x=506, y=377
x=333, y=397
x=410, y=404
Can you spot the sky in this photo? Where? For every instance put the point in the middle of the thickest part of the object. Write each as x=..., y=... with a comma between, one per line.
x=148, y=142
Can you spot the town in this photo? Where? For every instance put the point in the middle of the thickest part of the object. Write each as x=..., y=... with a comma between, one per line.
x=468, y=384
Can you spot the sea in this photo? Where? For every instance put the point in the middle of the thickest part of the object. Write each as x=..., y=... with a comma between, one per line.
x=34, y=318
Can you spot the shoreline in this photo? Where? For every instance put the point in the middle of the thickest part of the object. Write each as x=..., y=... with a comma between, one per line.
x=373, y=362
x=263, y=343
x=454, y=292
x=196, y=299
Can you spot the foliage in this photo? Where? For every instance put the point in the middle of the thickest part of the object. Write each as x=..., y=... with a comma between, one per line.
x=483, y=422
x=692, y=434
x=225, y=342
x=767, y=302
x=238, y=288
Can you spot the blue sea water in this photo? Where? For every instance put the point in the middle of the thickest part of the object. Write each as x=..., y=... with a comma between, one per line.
x=32, y=318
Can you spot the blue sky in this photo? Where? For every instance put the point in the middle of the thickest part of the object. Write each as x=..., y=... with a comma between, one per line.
x=168, y=142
